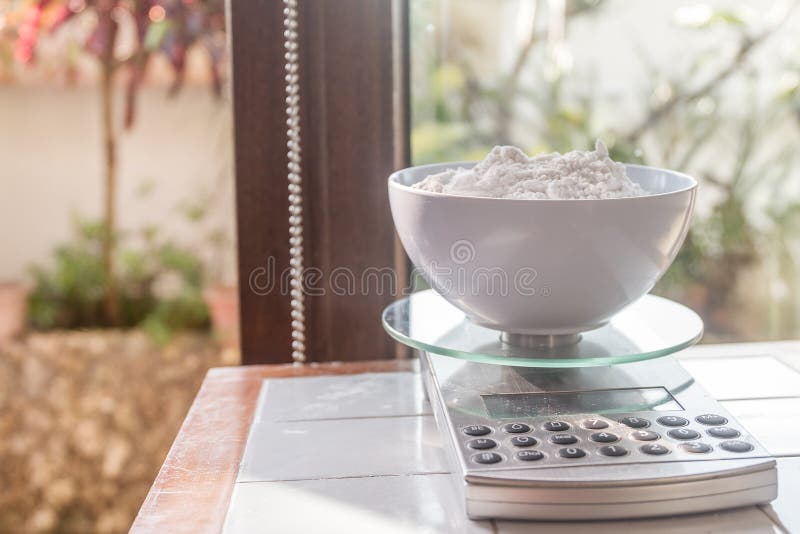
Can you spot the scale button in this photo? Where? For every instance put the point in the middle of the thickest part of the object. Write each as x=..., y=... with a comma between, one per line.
x=487, y=458
x=645, y=435
x=530, y=456
x=481, y=443
x=571, y=452
x=684, y=433
x=563, y=439
x=595, y=424
x=672, y=420
x=654, y=448
x=711, y=419
x=477, y=430
x=736, y=445
x=613, y=450
x=724, y=432
x=695, y=446
x=523, y=441
x=516, y=428
x=556, y=426
x=604, y=437
x=635, y=422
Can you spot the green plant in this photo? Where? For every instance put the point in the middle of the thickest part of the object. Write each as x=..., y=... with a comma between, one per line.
x=70, y=295
x=160, y=284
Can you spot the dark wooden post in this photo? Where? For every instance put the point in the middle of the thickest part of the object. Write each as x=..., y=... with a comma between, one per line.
x=355, y=132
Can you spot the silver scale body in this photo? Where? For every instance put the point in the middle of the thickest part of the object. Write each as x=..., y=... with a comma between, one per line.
x=595, y=486
x=592, y=487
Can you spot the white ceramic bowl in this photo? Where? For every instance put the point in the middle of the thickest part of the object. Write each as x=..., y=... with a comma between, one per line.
x=542, y=267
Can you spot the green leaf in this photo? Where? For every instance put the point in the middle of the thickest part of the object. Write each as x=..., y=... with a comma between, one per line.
x=157, y=329
x=727, y=17
x=194, y=211
x=155, y=35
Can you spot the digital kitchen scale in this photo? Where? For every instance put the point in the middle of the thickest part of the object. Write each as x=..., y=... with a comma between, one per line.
x=598, y=426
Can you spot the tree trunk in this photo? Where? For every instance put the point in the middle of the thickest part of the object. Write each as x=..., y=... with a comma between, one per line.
x=111, y=297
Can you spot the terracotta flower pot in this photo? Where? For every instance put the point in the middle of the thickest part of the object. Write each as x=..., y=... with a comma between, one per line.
x=223, y=306
x=13, y=309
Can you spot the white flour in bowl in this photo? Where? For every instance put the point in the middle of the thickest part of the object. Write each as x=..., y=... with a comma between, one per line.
x=507, y=172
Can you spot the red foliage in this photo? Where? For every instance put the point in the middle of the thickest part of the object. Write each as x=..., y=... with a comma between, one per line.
x=28, y=33
x=182, y=24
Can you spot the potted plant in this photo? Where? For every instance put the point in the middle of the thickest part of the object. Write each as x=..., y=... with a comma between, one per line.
x=13, y=306
x=222, y=301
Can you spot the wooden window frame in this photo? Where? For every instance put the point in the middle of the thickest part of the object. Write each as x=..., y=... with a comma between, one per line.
x=355, y=132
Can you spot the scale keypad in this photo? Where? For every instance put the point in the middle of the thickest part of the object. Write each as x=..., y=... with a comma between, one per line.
x=654, y=448
x=524, y=441
x=604, y=437
x=530, y=455
x=571, y=452
x=592, y=439
x=481, y=444
x=645, y=435
x=487, y=458
x=736, y=445
x=477, y=430
x=555, y=426
x=635, y=422
x=684, y=434
x=516, y=428
x=672, y=420
x=595, y=424
x=711, y=419
x=613, y=450
x=563, y=439
x=723, y=432
x=696, y=447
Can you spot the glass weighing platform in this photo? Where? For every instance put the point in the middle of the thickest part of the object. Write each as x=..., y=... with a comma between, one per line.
x=596, y=426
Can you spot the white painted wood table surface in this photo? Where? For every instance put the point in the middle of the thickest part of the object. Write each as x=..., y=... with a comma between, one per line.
x=361, y=453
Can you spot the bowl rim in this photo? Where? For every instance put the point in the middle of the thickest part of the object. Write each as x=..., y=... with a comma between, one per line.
x=393, y=183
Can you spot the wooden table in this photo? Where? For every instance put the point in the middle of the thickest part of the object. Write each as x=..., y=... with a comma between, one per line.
x=192, y=490
x=759, y=383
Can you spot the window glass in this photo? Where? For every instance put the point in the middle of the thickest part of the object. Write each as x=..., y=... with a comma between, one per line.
x=711, y=89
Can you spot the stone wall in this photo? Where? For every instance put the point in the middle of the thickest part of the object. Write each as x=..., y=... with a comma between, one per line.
x=86, y=419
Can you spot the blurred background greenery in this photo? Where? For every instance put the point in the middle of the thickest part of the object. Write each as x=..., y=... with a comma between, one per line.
x=711, y=89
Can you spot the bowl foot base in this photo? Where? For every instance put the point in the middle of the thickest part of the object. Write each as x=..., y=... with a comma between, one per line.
x=539, y=341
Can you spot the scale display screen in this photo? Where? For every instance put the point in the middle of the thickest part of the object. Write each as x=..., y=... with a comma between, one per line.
x=607, y=401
